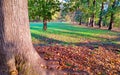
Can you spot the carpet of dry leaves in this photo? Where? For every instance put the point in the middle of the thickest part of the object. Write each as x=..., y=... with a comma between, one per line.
x=101, y=60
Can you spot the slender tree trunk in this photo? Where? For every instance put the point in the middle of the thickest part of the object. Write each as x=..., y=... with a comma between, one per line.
x=100, y=17
x=17, y=55
x=93, y=15
x=80, y=21
x=104, y=21
x=88, y=19
x=112, y=16
x=111, y=21
x=92, y=20
x=44, y=24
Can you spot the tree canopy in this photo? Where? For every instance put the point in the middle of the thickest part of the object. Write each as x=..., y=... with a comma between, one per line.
x=43, y=9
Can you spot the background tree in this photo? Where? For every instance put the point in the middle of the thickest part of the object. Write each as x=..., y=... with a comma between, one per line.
x=96, y=12
x=17, y=54
x=101, y=13
x=43, y=9
x=75, y=7
x=78, y=16
x=93, y=13
x=113, y=11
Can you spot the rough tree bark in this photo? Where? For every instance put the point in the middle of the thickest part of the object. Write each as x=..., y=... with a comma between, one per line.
x=17, y=55
x=100, y=17
x=112, y=16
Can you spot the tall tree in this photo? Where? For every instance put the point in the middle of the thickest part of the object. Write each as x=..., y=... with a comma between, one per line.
x=17, y=55
x=93, y=14
x=112, y=15
x=88, y=19
x=101, y=13
x=75, y=6
x=43, y=9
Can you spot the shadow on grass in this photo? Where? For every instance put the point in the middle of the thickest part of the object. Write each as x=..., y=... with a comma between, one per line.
x=65, y=26
x=47, y=40
x=74, y=32
x=51, y=41
x=77, y=35
x=72, y=35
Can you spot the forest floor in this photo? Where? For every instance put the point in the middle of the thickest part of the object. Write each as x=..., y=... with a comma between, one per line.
x=78, y=50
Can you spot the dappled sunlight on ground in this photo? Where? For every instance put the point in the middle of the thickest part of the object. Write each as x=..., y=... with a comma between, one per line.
x=63, y=33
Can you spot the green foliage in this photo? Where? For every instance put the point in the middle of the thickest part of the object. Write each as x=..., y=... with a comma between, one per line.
x=56, y=16
x=78, y=15
x=114, y=8
x=87, y=8
x=43, y=9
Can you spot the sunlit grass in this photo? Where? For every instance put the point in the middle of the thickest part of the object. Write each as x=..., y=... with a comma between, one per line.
x=63, y=33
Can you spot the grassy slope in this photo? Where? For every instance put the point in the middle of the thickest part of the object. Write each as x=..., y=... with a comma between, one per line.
x=63, y=33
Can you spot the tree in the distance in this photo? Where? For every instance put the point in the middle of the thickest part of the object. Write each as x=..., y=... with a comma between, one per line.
x=17, y=54
x=43, y=9
x=100, y=16
x=112, y=14
x=93, y=14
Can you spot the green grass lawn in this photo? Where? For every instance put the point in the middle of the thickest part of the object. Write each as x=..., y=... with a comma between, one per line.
x=67, y=34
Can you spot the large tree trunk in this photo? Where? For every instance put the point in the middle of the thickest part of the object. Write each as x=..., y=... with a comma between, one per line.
x=112, y=16
x=16, y=50
x=100, y=17
x=44, y=24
